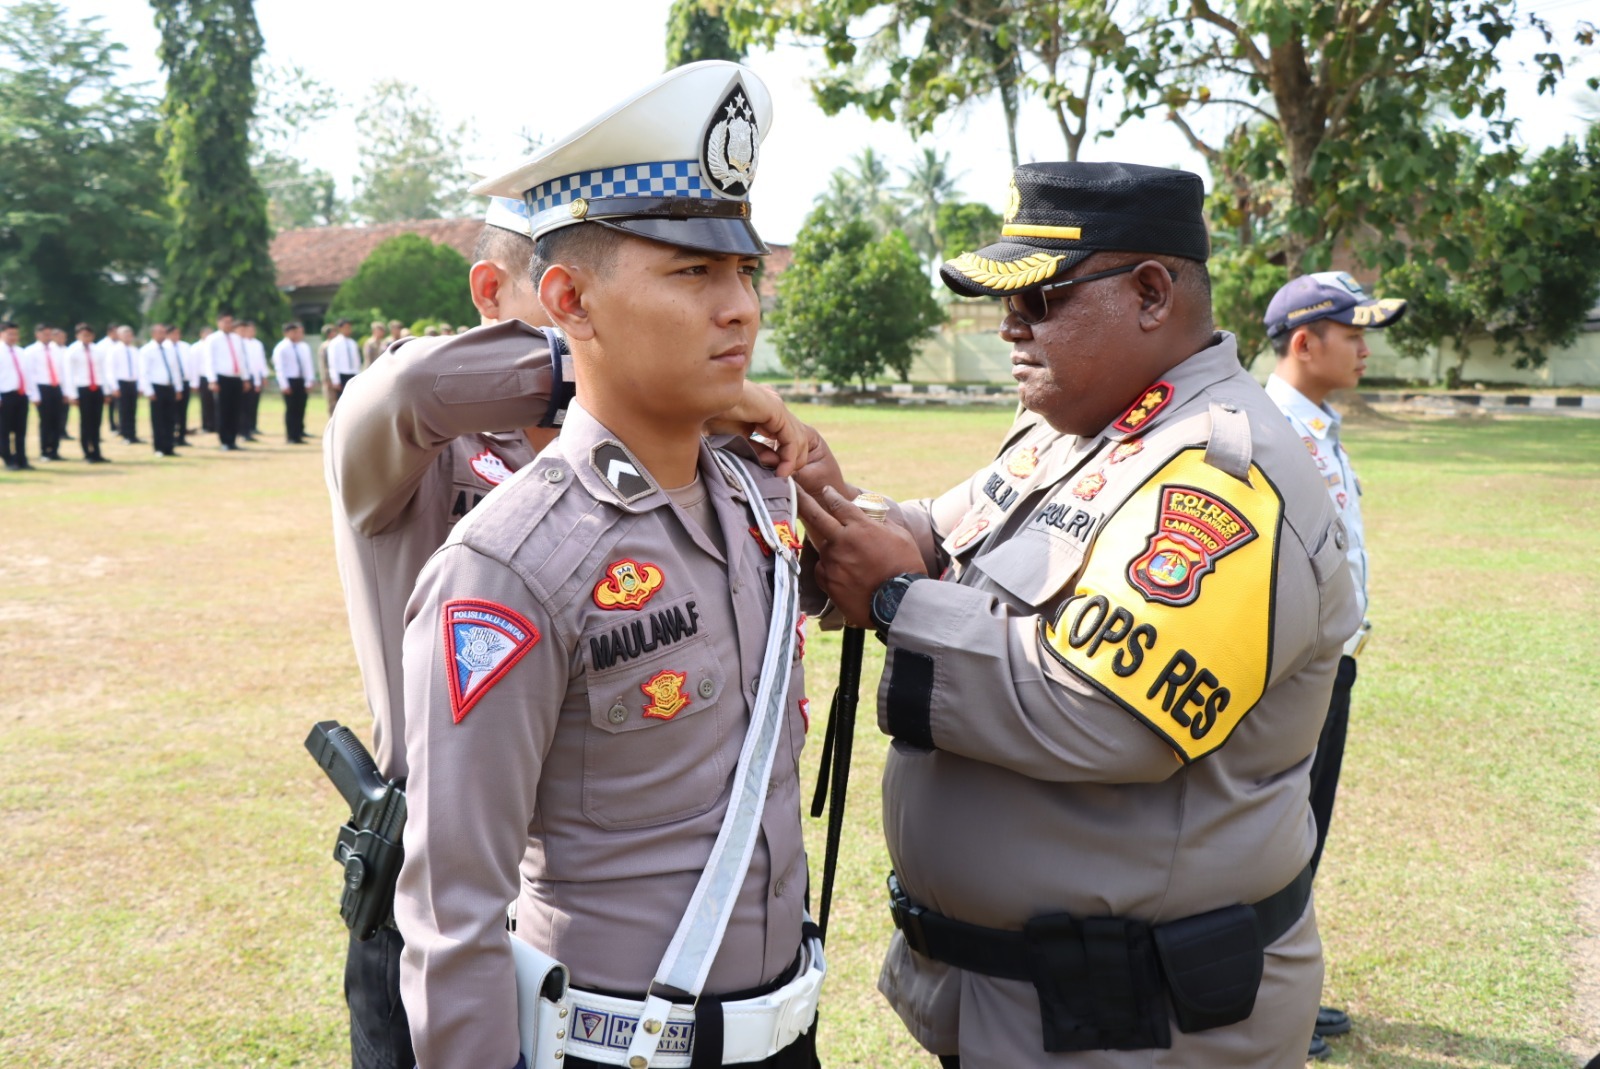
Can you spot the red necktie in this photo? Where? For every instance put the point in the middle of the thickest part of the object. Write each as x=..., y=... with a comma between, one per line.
x=88, y=358
x=22, y=383
x=233, y=354
x=50, y=362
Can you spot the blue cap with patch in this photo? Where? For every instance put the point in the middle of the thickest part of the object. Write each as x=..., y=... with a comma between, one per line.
x=674, y=163
x=1328, y=295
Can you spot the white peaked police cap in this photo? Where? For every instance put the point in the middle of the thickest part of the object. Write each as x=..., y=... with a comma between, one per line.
x=674, y=162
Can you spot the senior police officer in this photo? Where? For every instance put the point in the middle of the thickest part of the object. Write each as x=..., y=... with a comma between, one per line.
x=1317, y=324
x=1103, y=712
x=602, y=671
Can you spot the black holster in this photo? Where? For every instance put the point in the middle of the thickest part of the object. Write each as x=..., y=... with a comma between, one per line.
x=1099, y=987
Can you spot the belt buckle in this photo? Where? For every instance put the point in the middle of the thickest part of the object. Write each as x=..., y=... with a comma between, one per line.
x=907, y=916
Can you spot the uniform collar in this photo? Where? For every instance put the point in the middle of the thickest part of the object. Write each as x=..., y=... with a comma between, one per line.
x=1320, y=420
x=1168, y=397
x=611, y=473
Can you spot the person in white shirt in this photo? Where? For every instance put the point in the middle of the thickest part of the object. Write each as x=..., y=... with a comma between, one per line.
x=86, y=384
x=160, y=373
x=43, y=362
x=124, y=358
x=189, y=381
x=344, y=362
x=59, y=336
x=296, y=373
x=16, y=392
x=208, y=401
x=1317, y=324
x=227, y=366
x=256, y=362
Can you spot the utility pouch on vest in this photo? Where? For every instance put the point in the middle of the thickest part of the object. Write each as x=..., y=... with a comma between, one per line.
x=1213, y=963
x=1098, y=982
x=544, y=1008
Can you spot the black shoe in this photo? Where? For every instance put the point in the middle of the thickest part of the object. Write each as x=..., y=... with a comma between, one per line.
x=23, y=465
x=65, y=437
x=229, y=448
x=47, y=458
x=1319, y=1049
x=1332, y=1022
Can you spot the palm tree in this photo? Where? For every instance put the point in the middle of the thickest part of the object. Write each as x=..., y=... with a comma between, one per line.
x=928, y=185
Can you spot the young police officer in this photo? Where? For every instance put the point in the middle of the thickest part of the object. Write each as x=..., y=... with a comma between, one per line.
x=1318, y=324
x=587, y=655
x=1105, y=707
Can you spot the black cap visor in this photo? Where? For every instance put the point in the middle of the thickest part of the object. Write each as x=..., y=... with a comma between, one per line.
x=732, y=237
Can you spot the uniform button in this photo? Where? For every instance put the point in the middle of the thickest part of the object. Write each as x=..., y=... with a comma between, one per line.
x=777, y=891
x=1228, y=406
x=772, y=785
x=755, y=684
x=1338, y=537
x=554, y=475
x=618, y=713
x=737, y=585
x=707, y=688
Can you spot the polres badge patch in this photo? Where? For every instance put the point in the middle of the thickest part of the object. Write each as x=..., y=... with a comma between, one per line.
x=490, y=468
x=628, y=585
x=732, y=145
x=1194, y=531
x=482, y=641
x=665, y=691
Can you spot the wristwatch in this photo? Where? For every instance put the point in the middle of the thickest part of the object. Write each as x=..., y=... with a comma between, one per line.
x=886, y=601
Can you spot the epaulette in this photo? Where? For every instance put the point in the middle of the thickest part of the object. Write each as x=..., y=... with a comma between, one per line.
x=507, y=518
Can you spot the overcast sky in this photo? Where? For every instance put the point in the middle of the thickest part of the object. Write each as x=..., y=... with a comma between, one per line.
x=508, y=65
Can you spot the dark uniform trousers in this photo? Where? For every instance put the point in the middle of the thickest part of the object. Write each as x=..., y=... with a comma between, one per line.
x=380, y=1034
x=294, y=410
x=50, y=407
x=1330, y=753
x=208, y=407
x=230, y=390
x=14, y=428
x=249, y=405
x=163, y=405
x=128, y=409
x=91, y=404
x=180, y=415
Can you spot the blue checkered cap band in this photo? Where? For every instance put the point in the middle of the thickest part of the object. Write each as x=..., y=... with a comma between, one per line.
x=668, y=178
x=507, y=214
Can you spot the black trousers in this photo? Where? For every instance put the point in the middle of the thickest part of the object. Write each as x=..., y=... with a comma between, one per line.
x=91, y=403
x=14, y=428
x=1330, y=754
x=51, y=403
x=230, y=393
x=294, y=410
x=128, y=409
x=208, y=408
x=66, y=411
x=180, y=415
x=380, y=1035
x=163, y=404
x=250, y=405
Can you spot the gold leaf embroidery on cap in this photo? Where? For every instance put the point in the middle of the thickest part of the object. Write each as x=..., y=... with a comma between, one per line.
x=1007, y=274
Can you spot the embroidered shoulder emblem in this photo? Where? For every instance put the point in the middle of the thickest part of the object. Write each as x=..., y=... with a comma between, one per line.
x=964, y=539
x=786, y=535
x=1311, y=445
x=1089, y=486
x=1123, y=450
x=1153, y=400
x=482, y=641
x=665, y=691
x=805, y=714
x=1317, y=425
x=611, y=463
x=628, y=585
x=1023, y=461
x=1194, y=531
x=490, y=468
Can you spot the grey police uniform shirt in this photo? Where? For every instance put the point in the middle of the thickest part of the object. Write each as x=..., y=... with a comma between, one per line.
x=411, y=450
x=581, y=660
x=1109, y=705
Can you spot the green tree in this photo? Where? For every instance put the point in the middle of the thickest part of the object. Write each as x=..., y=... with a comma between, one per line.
x=217, y=253
x=1533, y=272
x=697, y=31
x=411, y=162
x=82, y=216
x=298, y=195
x=965, y=226
x=864, y=190
x=929, y=185
x=407, y=277
x=853, y=304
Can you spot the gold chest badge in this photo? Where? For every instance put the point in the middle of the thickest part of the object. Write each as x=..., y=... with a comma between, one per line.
x=1023, y=461
x=628, y=585
x=665, y=691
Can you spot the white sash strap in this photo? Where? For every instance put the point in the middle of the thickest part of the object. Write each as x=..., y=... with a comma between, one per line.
x=694, y=945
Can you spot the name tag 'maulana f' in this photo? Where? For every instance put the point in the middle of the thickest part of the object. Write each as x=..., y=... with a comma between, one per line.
x=1180, y=633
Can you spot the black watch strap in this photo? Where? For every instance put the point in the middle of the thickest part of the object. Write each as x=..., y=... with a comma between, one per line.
x=886, y=601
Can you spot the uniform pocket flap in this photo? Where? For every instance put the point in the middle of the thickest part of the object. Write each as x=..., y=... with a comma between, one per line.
x=1033, y=567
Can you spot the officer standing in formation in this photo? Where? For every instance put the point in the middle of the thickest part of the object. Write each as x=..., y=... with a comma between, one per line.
x=1317, y=324
x=227, y=366
x=160, y=372
x=344, y=363
x=124, y=358
x=43, y=362
x=592, y=672
x=87, y=374
x=17, y=392
x=189, y=381
x=296, y=373
x=375, y=344
x=1140, y=611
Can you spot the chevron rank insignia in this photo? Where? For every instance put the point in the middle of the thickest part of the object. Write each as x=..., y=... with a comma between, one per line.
x=482, y=641
x=613, y=464
x=628, y=585
x=1149, y=403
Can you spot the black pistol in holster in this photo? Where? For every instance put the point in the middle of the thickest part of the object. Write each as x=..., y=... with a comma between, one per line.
x=368, y=846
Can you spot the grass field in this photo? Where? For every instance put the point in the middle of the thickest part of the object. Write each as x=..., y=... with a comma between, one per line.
x=169, y=630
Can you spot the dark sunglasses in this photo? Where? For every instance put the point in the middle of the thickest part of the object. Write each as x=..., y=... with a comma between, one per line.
x=1033, y=307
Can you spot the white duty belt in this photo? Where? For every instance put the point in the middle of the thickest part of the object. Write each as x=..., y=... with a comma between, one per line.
x=655, y=1032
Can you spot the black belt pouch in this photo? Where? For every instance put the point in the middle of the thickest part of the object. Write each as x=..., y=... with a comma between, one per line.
x=1098, y=983
x=1213, y=964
